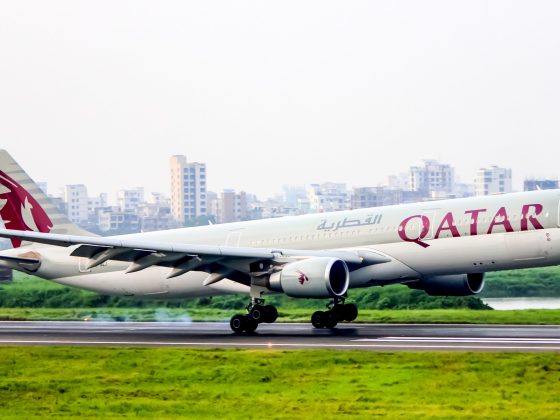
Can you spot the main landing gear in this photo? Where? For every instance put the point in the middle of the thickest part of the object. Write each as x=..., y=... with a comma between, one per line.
x=337, y=311
x=257, y=313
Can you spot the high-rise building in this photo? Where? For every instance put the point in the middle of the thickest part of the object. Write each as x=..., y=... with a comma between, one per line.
x=128, y=200
x=117, y=221
x=434, y=179
x=540, y=184
x=492, y=180
x=231, y=207
x=95, y=203
x=188, y=189
x=155, y=214
x=76, y=199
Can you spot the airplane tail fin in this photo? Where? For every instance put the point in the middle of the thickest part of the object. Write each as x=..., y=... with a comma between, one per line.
x=24, y=206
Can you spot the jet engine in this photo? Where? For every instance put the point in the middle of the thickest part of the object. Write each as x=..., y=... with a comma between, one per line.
x=452, y=285
x=319, y=277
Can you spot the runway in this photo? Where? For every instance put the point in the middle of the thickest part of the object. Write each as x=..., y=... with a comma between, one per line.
x=376, y=337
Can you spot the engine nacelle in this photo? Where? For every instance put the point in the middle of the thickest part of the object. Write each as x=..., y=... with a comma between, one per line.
x=451, y=285
x=319, y=277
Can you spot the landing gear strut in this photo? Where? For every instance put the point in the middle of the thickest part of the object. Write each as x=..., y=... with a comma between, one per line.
x=337, y=311
x=258, y=312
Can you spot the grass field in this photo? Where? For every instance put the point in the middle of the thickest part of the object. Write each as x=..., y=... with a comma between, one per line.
x=422, y=316
x=273, y=384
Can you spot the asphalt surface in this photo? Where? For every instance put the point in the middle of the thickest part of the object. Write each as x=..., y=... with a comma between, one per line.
x=380, y=337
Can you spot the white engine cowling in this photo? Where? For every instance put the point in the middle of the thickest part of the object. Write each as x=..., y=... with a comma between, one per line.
x=452, y=285
x=319, y=277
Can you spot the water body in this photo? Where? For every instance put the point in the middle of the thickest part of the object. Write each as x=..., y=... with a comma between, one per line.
x=504, y=304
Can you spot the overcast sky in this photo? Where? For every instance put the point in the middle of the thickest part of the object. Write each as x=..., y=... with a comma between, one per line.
x=277, y=92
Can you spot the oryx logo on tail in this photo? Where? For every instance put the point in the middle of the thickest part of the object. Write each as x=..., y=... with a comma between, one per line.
x=19, y=210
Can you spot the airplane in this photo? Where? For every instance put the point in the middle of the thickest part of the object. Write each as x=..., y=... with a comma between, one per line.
x=442, y=247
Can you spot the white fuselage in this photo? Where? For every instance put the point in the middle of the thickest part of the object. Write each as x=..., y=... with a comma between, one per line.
x=472, y=235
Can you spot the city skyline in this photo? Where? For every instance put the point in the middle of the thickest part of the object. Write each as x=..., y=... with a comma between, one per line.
x=165, y=189
x=190, y=204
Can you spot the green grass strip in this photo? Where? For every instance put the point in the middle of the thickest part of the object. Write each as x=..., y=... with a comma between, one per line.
x=106, y=383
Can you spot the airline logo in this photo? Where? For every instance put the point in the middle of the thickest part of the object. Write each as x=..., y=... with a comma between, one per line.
x=302, y=278
x=19, y=210
x=500, y=223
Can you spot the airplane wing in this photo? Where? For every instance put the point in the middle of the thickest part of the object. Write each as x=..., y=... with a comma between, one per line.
x=237, y=263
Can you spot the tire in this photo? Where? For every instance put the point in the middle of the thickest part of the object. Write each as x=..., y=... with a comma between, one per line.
x=258, y=313
x=270, y=313
x=339, y=312
x=250, y=325
x=330, y=320
x=237, y=323
x=350, y=312
x=317, y=319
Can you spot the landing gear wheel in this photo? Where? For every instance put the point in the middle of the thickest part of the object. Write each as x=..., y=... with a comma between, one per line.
x=317, y=319
x=338, y=311
x=350, y=312
x=250, y=325
x=322, y=319
x=270, y=313
x=237, y=323
x=257, y=313
x=330, y=319
x=243, y=323
x=263, y=313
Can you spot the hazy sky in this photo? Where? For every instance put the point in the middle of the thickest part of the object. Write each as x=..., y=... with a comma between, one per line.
x=277, y=92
